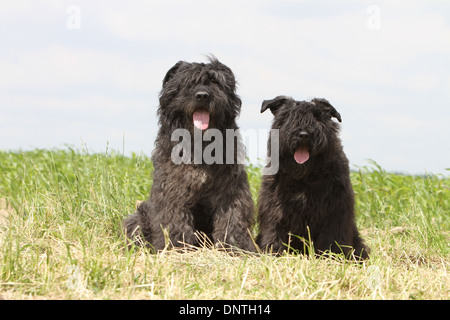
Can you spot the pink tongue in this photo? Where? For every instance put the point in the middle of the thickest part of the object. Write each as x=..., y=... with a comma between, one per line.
x=201, y=119
x=301, y=155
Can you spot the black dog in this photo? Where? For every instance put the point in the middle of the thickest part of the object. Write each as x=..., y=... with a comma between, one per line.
x=310, y=198
x=190, y=194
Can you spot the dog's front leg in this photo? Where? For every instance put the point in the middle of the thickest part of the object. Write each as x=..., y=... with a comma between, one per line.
x=232, y=221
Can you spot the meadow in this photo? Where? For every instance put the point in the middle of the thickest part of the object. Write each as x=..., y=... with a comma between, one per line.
x=61, y=212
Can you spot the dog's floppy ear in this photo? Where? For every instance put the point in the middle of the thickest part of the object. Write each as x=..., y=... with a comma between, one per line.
x=172, y=71
x=327, y=108
x=274, y=104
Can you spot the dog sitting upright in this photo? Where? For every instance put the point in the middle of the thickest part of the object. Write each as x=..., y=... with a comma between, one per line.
x=190, y=194
x=310, y=197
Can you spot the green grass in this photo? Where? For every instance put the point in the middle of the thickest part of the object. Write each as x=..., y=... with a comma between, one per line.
x=60, y=215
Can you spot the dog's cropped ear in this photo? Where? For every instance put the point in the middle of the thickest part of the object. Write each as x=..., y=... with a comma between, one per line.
x=172, y=71
x=274, y=104
x=327, y=108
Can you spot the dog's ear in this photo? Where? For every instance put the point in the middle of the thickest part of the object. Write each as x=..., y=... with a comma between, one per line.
x=326, y=108
x=274, y=104
x=172, y=71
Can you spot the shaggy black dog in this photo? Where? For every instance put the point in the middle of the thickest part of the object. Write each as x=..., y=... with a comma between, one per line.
x=310, y=199
x=199, y=185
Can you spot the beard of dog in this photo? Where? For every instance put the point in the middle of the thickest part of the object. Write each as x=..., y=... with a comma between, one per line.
x=198, y=95
x=299, y=155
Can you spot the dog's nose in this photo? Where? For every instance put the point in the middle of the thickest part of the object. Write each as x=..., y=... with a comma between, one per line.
x=304, y=135
x=202, y=96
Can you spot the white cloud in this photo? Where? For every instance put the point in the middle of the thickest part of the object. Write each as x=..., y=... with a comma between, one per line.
x=58, y=66
x=81, y=104
x=303, y=53
x=378, y=79
x=400, y=124
x=191, y=22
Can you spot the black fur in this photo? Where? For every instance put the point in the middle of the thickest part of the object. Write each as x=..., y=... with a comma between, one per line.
x=185, y=199
x=312, y=201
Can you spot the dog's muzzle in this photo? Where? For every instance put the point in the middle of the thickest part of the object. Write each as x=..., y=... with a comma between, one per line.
x=301, y=154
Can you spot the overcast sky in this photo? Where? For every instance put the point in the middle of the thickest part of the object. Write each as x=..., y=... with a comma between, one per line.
x=89, y=72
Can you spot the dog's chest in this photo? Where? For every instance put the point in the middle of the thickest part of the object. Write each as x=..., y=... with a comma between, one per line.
x=294, y=200
x=299, y=199
x=196, y=177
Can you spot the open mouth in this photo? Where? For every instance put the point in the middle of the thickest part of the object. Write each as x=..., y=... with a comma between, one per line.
x=201, y=119
x=301, y=154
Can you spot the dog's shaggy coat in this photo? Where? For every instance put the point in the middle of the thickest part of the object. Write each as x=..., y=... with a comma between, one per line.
x=310, y=199
x=191, y=198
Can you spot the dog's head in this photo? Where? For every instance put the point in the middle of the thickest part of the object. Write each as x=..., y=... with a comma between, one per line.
x=306, y=129
x=201, y=95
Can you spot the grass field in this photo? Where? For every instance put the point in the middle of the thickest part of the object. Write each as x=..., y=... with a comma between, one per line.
x=60, y=215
